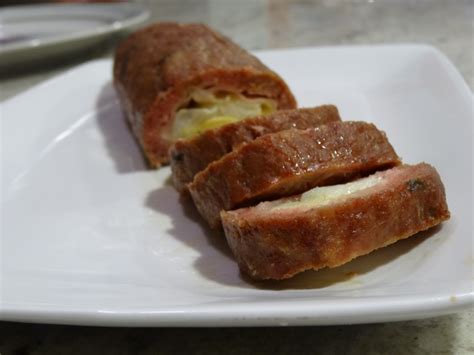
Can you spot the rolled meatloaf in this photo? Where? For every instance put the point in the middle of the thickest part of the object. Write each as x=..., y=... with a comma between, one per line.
x=190, y=156
x=329, y=226
x=177, y=80
x=289, y=162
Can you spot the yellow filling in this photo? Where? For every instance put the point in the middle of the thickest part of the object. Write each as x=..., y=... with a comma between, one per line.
x=321, y=196
x=212, y=110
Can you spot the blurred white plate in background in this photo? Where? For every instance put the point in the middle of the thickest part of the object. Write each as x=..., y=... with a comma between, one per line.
x=32, y=31
x=90, y=236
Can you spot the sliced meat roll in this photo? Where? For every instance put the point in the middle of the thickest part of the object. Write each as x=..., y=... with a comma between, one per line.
x=329, y=226
x=289, y=162
x=190, y=156
x=177, y=80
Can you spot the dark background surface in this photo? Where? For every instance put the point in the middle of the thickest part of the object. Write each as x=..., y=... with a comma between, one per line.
x=441, y=335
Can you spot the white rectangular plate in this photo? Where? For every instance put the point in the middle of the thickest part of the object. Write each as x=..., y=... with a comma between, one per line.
x=89, y=236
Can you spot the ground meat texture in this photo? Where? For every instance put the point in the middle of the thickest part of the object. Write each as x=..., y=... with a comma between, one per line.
x=277, y=244
x=157, y=68
x=290, y=162
x=190, y=156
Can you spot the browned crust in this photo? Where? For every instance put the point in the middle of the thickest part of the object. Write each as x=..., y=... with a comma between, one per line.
x=156, y=68
x=190, y=156
x=289, y=162
x=280, y=245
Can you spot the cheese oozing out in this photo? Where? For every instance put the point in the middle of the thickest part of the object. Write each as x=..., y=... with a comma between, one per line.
x=322, y=196
x=214, y=109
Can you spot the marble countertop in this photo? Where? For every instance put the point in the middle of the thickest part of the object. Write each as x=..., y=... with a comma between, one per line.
x=254, y=24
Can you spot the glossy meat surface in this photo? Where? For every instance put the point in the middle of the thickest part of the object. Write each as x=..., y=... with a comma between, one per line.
x=290, y=162
x=190, y=156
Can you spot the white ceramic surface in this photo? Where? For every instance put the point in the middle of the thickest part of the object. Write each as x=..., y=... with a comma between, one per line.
x=89, y=236
x=30, y=32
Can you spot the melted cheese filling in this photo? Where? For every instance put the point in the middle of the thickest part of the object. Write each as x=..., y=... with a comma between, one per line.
x=212, y=110
x=322, y=196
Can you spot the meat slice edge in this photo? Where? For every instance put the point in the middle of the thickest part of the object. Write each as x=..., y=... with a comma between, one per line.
x=290, y=162
x=190, y=156
x=271, y=241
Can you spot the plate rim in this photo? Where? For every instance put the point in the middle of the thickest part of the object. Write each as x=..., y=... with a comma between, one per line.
x=395, y=308
x=14, y=48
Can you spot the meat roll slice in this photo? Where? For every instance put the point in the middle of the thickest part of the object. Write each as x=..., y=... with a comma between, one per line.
x=190, y=156
x=329, y=226
x=177, y=80
x=289, y=162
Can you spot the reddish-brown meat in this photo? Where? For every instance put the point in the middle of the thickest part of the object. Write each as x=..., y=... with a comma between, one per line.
x=156, y=69
x=190, y=156
x=289, y=162
x=281, y=243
